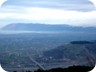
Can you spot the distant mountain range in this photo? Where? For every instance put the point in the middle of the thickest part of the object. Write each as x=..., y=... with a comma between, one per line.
x=46, y=27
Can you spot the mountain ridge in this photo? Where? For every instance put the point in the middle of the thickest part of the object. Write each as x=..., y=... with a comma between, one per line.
x=46, y=27
x=74, y=54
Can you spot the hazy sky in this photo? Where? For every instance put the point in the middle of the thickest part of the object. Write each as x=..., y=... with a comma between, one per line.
x=72, y=12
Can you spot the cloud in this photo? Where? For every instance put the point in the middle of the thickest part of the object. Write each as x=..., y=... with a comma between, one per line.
x=58, y=12
x=48, y=15
x=94, y=2
x=78, y=5
x=2, y=1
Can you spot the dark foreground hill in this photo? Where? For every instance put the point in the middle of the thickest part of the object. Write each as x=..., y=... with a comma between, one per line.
x=46, y=27
x=69, y=69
